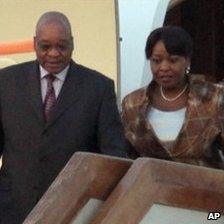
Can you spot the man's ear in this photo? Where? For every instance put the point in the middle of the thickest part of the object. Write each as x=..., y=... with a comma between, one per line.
x=35, y=43
x=72, y=40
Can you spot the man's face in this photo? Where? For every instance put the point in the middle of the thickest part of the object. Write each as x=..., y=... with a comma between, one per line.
x=53, y=45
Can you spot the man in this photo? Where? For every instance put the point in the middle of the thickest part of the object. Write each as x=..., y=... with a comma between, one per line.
x=50, y=108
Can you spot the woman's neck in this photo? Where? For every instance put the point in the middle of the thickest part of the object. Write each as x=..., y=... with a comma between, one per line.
x=170, y=99
x=171, y=92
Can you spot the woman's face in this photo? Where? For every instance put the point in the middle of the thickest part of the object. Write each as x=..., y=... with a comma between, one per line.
x=168, y=70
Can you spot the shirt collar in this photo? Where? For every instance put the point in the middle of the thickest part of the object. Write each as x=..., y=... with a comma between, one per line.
x=61, y=75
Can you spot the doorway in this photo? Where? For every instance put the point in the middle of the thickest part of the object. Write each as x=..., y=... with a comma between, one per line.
x=204, y=20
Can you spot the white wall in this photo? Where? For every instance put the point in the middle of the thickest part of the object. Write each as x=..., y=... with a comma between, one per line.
x=137, y=18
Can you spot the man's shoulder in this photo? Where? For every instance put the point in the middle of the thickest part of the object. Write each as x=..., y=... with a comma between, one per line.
x=16, y=69
x=90, y=74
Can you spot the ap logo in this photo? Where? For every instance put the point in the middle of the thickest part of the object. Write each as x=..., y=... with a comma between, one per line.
x=213, y=215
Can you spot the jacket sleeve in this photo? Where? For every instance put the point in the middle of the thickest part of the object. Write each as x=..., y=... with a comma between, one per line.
x=110, y=130
x=218, y=144
x=1, y=140
x=220, y=114
x=131, y=152
x=1, y=133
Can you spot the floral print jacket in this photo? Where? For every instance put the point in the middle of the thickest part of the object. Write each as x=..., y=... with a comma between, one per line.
x=201, y=133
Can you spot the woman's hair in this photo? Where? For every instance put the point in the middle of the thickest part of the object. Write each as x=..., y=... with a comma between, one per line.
x=176, y=40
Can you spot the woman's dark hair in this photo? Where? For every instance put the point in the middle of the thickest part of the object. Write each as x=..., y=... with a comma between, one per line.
x=176, y=40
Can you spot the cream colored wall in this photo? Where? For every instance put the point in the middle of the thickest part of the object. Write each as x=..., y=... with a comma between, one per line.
x=93, y=25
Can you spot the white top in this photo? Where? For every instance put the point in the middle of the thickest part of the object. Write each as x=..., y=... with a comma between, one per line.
x=166, y=124
x=57, y=84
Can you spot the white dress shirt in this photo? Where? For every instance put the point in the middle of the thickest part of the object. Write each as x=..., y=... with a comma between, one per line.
x=57, y=84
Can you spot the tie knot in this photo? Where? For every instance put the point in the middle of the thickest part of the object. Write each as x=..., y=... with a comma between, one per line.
x=50, y=78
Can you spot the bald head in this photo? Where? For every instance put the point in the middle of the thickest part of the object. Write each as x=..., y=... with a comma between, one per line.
x=56, y=18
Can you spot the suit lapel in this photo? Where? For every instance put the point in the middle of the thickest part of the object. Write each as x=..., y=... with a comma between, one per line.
x=70, y=92
x=34, y=91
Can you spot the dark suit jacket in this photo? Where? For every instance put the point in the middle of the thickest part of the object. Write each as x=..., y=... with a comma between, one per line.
x=85, y=119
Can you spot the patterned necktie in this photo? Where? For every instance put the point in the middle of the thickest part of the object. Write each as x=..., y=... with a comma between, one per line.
x=50, y=98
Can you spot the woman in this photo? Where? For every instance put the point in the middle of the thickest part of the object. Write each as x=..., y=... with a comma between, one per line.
x=176, y=117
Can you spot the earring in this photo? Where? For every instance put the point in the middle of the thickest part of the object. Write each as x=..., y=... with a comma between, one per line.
x=187, y=71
